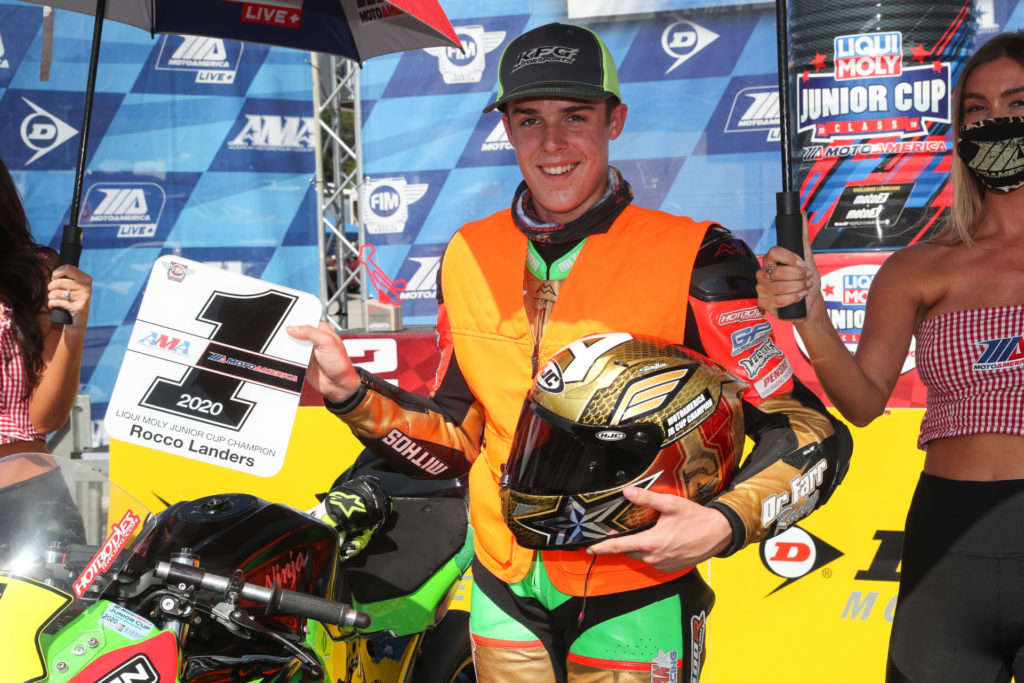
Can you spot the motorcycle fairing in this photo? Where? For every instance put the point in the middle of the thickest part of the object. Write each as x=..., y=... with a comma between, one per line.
x=154, y=660
x=27, y=607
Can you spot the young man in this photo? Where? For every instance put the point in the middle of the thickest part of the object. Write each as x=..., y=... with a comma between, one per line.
x=628, y=606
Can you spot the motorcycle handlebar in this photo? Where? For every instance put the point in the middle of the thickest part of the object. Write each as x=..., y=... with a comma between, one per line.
x=278, y=600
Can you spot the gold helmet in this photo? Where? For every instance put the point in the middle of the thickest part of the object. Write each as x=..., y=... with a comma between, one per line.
x=616, y=410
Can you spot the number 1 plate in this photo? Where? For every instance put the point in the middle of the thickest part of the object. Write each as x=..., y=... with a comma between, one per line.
x=210, y=373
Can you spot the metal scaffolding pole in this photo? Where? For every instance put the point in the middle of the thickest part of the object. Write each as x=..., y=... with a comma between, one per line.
x=339, y=173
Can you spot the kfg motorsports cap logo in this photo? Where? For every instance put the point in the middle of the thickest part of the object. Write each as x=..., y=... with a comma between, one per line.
x=42, y=132
x=466, y=65
x=384, y=203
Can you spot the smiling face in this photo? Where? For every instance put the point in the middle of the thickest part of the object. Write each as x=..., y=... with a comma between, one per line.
x=994, y=89
x=562, y=149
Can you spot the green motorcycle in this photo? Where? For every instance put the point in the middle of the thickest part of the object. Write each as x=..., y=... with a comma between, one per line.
x=229, y=587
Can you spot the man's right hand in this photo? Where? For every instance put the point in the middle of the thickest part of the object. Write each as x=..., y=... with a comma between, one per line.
x=331, y=371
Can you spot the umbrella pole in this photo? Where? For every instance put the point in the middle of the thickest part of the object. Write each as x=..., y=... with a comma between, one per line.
x=71, y=237
x=788, y=221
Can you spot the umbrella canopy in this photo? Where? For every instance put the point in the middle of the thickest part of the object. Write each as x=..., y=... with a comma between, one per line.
x=356, y=29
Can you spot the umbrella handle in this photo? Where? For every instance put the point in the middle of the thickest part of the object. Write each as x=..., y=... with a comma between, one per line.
x=70, y=250
x=789, y=234
x=788, y=221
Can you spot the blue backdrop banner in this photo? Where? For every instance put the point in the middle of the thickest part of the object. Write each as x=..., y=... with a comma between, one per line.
x=198, y=147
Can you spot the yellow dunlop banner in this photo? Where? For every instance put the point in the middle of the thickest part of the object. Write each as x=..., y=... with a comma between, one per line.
x=816, y=602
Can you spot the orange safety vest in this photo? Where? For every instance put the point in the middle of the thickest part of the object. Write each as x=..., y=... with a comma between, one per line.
x=634, y=278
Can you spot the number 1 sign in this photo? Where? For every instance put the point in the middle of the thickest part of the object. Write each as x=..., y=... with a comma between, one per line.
x=210, y=373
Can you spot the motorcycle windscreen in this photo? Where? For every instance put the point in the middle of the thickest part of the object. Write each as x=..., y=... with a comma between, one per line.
x=554, y=456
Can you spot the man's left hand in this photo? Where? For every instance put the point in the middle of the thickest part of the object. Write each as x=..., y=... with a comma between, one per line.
x=685, y=534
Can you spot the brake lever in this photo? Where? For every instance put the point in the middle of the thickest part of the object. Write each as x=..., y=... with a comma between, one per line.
x=242, y=619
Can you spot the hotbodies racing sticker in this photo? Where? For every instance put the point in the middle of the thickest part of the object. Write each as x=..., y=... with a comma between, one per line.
x=210, y=373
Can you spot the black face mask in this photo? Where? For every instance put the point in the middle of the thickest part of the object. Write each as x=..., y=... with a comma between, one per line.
x=994, y=150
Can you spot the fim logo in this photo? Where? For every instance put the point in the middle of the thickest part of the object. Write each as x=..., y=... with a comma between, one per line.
x=42, y=132
x=755, y=109
x=138, y=669
x=207, y=57
x=466, y=65
x=384, y=204
x=275, y=133
x=683, y=40
x=134, y=208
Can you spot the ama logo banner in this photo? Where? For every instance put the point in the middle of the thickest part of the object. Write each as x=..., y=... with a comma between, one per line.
x=270, y=135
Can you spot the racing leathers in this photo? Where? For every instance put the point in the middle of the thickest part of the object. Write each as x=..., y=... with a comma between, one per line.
x=800, y=452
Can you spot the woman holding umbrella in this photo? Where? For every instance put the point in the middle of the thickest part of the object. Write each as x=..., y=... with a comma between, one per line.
x=39, y=361
x=961, y=294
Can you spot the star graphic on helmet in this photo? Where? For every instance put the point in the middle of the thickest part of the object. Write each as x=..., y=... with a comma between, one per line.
x=575, y=520
x=582, y=518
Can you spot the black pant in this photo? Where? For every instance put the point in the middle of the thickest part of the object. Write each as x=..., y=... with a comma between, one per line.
x=960, y=612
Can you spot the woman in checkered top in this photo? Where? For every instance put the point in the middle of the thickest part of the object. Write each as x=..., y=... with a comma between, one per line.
x=39, y=361
x=961, y=294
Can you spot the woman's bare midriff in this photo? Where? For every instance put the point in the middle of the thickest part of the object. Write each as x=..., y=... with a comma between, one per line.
x=976, y=457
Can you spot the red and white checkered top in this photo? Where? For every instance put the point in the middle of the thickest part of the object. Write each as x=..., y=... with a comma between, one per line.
x=15, y=424
x=972, y=363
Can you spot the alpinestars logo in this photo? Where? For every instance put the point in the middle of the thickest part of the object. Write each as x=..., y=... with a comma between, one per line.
x=42, y=132
x=134, y=208
x=273, y=133
x=384, y=203
x=683, y=39
x=466, y=65
x=207, y=57
x=497, y=140
x=755, y=109
x=4, y=62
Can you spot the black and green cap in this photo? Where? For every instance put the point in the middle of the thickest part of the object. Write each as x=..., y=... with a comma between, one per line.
x=556, y=60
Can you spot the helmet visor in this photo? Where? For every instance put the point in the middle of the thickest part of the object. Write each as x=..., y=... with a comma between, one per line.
x=554, y=456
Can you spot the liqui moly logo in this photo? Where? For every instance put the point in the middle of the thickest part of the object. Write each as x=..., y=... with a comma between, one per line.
x=868, y=55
